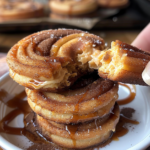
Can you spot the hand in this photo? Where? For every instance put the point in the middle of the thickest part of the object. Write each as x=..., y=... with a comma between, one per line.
x=143, y=42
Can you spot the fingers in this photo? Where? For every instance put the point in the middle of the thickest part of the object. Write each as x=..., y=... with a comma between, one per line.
x=143, y=42
x=146, y=74
x=143, y=39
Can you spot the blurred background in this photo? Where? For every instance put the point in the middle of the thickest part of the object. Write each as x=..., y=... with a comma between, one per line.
x=118, y=22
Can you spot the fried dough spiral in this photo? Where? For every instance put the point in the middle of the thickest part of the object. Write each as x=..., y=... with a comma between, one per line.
x=80, y=135
x=73, y=106
x=48, y=60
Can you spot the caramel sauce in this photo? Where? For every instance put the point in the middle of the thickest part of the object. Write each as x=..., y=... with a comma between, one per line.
x=120, y=129
x=4, y=127
x=72, y=128
x=131, y=96
x=21, y=107
x=88, y=116
x=35, y=83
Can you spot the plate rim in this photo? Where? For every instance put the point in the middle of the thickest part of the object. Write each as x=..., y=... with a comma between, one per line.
x=3, y=142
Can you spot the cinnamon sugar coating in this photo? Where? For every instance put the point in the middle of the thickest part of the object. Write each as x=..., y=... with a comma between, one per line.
x=48, y=60
x=75, y=105
x=83, y=135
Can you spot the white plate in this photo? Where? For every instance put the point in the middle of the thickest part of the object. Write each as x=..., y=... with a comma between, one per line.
x=138, y=137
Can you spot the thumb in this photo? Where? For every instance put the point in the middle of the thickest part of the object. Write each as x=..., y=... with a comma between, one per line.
x=143, y=42
x=146, y=74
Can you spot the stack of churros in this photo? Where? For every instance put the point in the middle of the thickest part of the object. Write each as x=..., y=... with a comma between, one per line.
x=73, y=105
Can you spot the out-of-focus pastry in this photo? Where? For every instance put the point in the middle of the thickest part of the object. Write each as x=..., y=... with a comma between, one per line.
x=112, y=3
x=72, y=7
x=14, y=10
x=80, y=135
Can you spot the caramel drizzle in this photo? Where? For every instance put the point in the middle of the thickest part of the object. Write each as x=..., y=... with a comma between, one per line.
x=131, y=96
x=88, y=116
x=35, y=83
x=21, y=107
x=4, y=127
x=120, y=129
x=72, y=128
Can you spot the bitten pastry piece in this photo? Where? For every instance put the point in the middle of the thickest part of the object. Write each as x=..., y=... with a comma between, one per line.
x=14, y=10
x=122, y=63
x=95, y=99
x=112, y=3
x=72, y=7
x=47, y=60
x=80, y=135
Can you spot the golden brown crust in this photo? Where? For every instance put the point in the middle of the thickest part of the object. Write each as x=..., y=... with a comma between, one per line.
x=48, y=60
x=20, y=10
x=128, y=61
x=132, y=51
x=124, y=77
x=92, y=101
x=83, y=135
